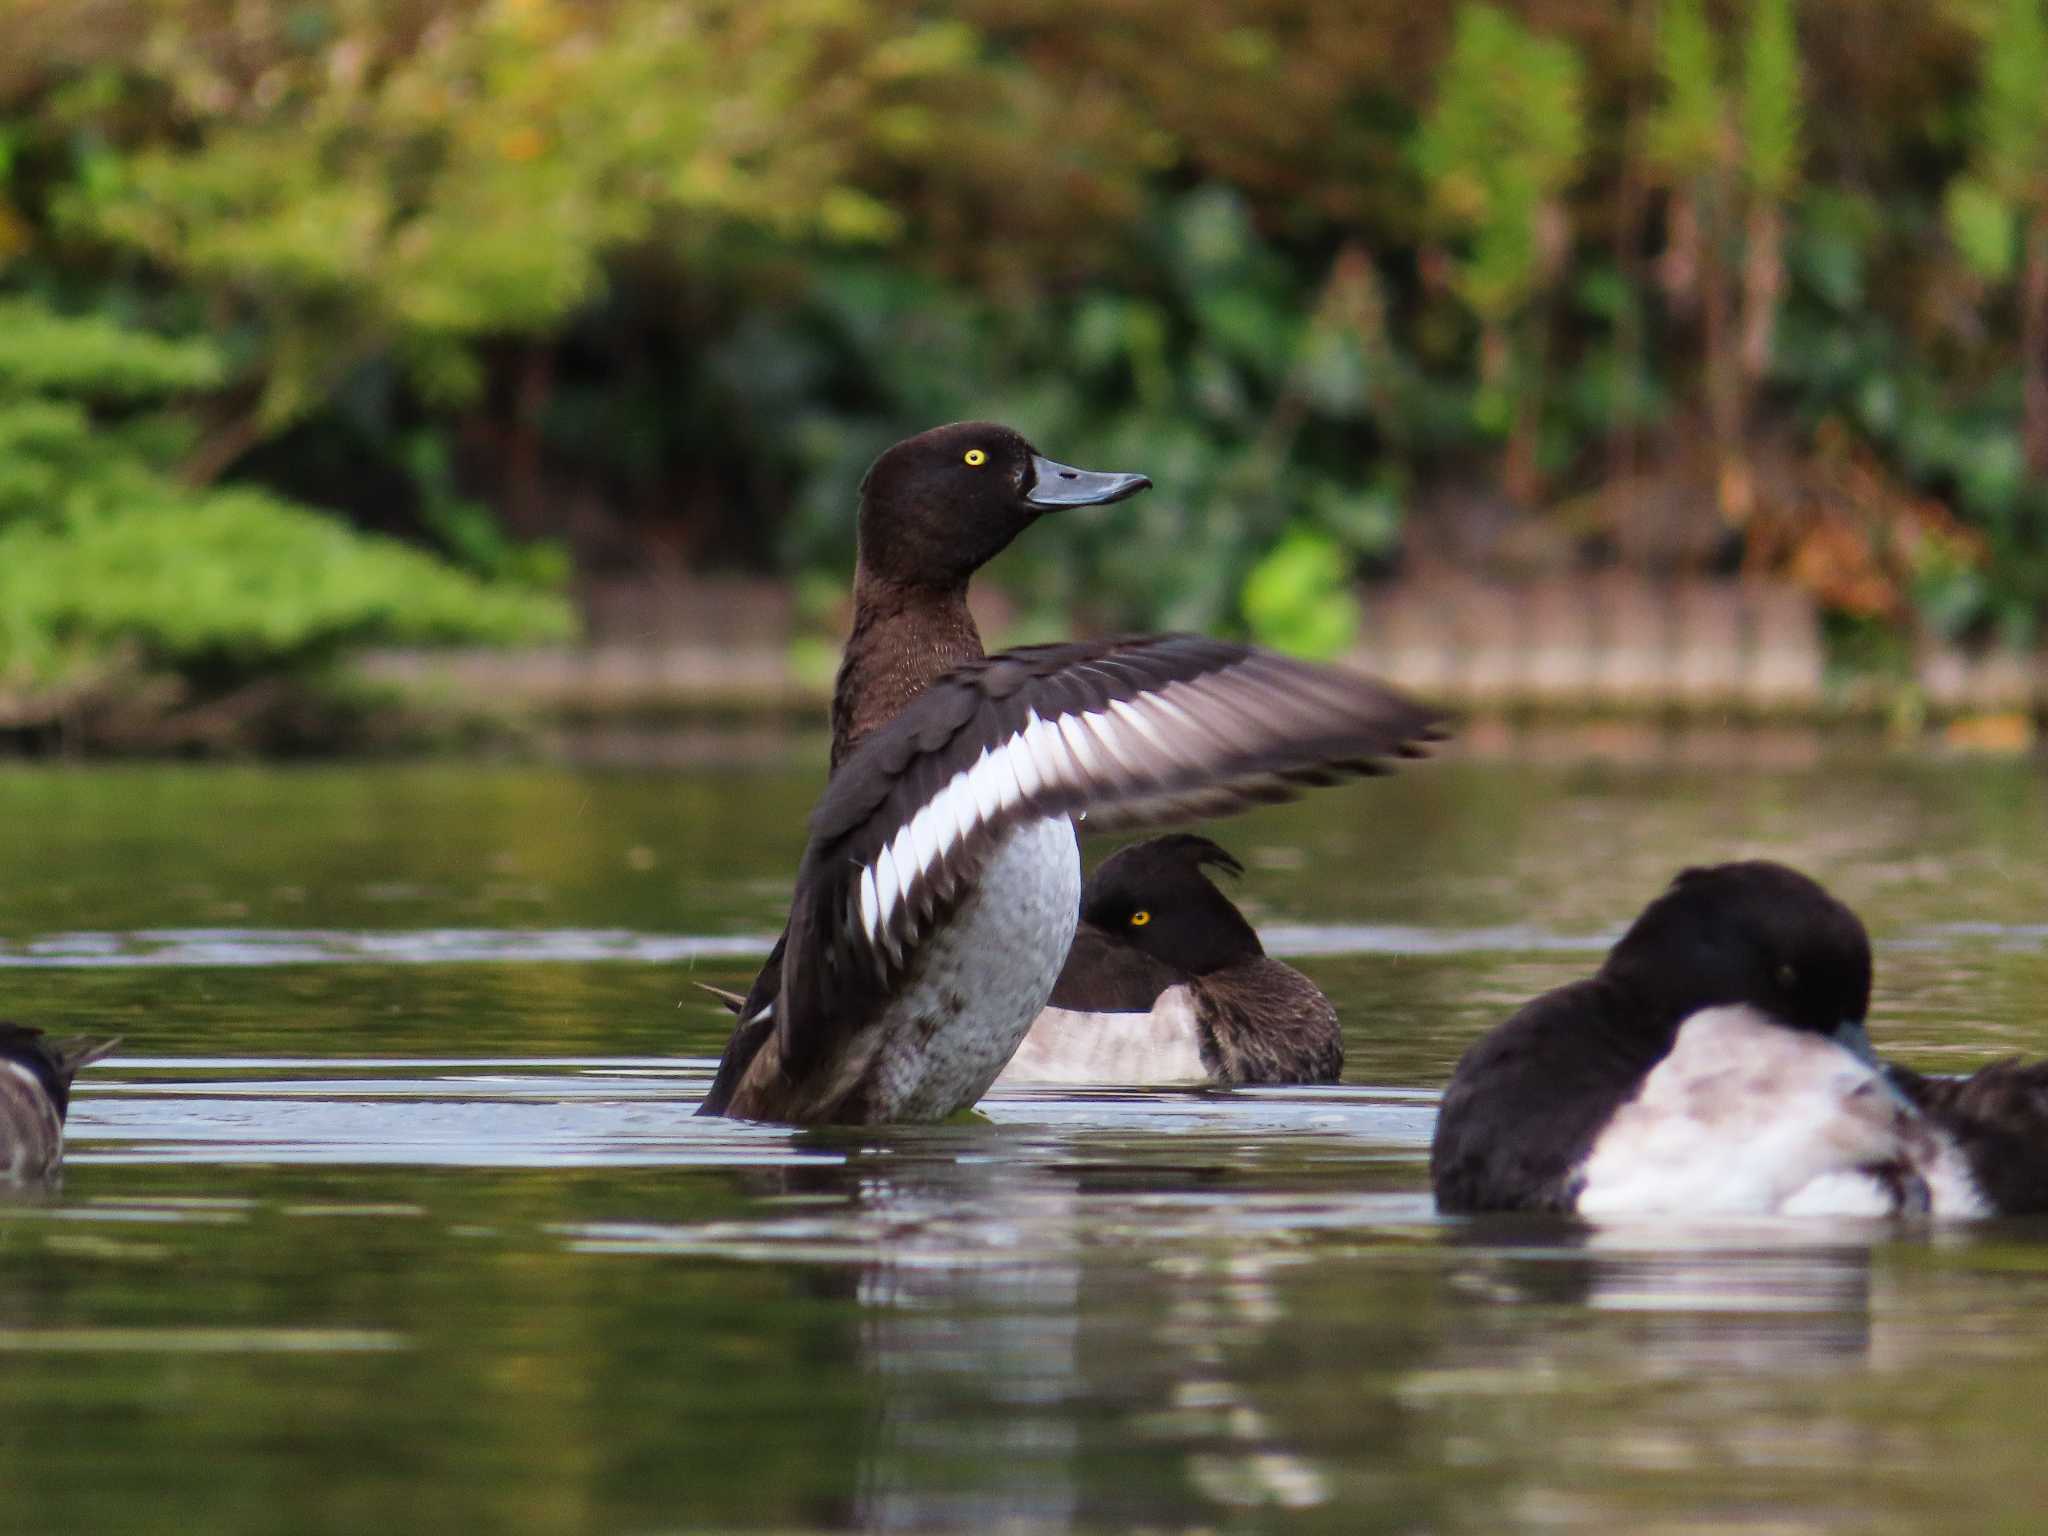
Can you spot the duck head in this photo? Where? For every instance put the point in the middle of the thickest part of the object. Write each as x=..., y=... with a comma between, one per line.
x=1752, y=933
x=937, y=507
x=1155, y=897
x=54, y=1062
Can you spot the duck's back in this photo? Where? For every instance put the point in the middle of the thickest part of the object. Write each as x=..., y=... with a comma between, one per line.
x=1527, y=1100
x=1265, y=1022
x=1997, y=1120
x=1155, y=1047
x=1116, y=1016
x=1119, y=1015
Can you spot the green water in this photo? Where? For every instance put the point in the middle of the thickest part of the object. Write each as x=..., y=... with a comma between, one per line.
x=390, y=1218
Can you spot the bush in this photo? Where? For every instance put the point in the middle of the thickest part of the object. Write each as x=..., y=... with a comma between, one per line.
x=112, y=571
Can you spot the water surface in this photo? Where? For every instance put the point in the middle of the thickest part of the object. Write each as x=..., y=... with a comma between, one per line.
x=392, y=1212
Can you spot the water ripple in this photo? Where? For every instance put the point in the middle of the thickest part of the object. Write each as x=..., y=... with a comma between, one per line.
x=174, y=948
x=245, y=947
x=235, y=947
x=624, y=1112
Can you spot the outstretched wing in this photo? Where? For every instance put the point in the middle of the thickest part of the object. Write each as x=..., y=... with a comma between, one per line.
x=1131, y=732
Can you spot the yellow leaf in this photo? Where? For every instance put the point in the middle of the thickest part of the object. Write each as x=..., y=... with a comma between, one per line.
x=522, y=144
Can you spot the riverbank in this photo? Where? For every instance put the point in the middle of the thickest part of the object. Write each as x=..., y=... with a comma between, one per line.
x=1606, y=649
x=676, y=671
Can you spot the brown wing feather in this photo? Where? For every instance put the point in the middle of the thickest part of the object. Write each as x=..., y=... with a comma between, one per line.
x=1131, y=732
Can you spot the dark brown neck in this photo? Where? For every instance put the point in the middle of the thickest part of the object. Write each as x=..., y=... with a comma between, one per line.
x=904, y=639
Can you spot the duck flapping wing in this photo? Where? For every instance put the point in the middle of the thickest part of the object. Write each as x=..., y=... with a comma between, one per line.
x=1127, y=733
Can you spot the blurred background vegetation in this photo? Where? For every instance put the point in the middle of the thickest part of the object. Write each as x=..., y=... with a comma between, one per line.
x=408, y=321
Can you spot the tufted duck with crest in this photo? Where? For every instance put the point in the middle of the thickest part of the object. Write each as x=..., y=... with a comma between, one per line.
x=1167, y=983
x=935, y=509
x=1718, y=1065
x=937, y=899
x=35, y=1095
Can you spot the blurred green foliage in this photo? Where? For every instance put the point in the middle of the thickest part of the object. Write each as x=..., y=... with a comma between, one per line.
x=115, y=576
x=1771, y=106
x=1247, y=410
x=1685, y=125
x=1499, y=145
x=642, y=285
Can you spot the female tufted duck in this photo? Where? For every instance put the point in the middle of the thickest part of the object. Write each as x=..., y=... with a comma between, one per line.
x=1717, y=1064
x=35, y=1094
x=940, y=891
x=938, y=897
x=935, y=509
x=1167, y=983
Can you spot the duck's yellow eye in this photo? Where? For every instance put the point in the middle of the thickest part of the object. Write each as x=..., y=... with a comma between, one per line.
x=975, y=458
x=1140, y=918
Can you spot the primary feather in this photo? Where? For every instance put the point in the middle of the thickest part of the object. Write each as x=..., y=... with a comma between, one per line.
x=1125, y=732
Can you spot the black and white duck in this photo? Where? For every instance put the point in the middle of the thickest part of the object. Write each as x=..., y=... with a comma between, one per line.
x=1718, y=1064
x=1167, y=983
x=35, y=1096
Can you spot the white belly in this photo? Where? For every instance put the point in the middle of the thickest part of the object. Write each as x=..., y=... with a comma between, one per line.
x=1747, y=1118
x=984, y=976
x=1067, y=1045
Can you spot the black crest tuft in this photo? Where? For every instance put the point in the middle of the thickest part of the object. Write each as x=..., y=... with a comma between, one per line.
x=1155, y=897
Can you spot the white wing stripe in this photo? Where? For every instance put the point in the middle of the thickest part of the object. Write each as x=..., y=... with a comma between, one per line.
x=870, y=905
x=1124, y=748
x=905, y=853
x=1075, y=733
x=986, y=786
x=924, y=838
x=1002, y=775
x=961, y=813
x=1168, y=702
x=1140, y=748
x=1017, y=753
x=1089, y=724
x=1135, y=715
x=1056, y=766
x=887, y=884
x=945, y=824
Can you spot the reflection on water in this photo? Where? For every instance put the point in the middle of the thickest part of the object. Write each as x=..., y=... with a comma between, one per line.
x=215, y=948
x=1073, y=1313
x=1721, y=1298
x=393, y=1212
x=237, y=947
